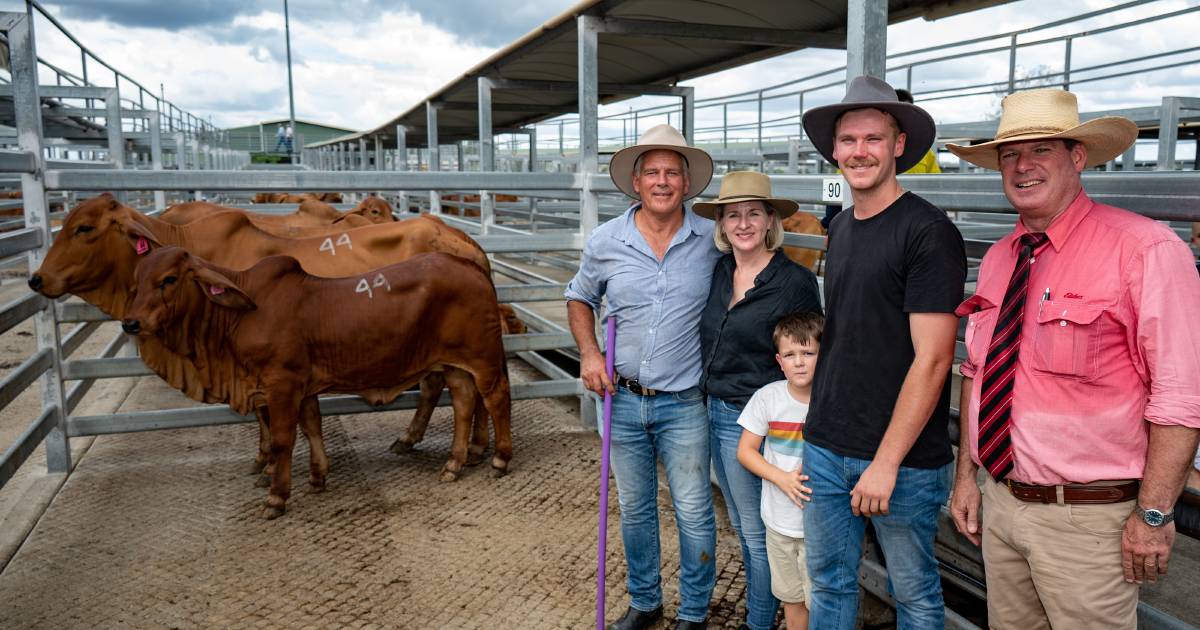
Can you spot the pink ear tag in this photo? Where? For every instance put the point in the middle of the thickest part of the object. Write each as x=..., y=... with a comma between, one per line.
x=215, y=290
x=143, y=245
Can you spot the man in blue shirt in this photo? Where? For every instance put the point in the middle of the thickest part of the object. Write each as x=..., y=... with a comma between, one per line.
x=654, y=264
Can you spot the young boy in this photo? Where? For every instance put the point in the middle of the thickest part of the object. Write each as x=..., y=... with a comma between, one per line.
x=777, y=412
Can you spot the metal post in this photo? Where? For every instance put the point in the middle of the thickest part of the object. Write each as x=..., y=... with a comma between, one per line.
x=587, y=29
x=362, y=154
x=1067, y=66
x=793, y=156
x=287, y=36
x=689, y=114
x=1012, y=64
x=908, y=78
x=435, y=159
x=725, y=125
x=487, y=150
x=487, y=212
x=28, y=110
x=1168, y=133
x=760, y=105
x=533, y=202
x=866, y=39
x=800, y=118
x=458, y=155
x=401, y=164
x=160, y=197
x=378, y=154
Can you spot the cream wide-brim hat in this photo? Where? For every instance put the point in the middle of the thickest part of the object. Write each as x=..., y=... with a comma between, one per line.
x=1051, y=114
x=745, y=186
x=699, y=162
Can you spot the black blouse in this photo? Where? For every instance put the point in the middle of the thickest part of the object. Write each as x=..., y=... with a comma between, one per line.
x=739, y=356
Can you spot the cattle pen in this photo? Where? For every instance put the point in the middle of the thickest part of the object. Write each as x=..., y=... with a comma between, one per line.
x=149, y=153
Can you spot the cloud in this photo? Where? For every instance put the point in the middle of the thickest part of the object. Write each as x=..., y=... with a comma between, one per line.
x=171, y=16
x=487, y=22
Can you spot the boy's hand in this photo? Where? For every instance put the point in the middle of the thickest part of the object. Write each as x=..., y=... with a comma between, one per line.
x=792, y=485
x=870, y=495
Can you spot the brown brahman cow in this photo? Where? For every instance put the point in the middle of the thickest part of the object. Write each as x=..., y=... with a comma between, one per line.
x=288, y=336
x=804, y=223
x=329, y=197
x=309, y=214
x=95, y=254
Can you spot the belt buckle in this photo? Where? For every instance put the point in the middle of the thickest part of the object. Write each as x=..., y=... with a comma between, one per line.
x=638, y=389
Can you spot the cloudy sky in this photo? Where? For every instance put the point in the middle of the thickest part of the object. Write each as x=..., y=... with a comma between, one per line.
x=358, y=63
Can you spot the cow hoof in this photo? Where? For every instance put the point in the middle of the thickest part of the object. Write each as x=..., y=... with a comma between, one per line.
x=255, y=467
x=262, y=481
x=316, y=485
x=401, y=446
x=474, y=459
x=448, y=476
x=271, y=512
x=499, y=472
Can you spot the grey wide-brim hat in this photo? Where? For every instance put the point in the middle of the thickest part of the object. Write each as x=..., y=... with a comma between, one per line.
x=699, y=163
x=871, y=93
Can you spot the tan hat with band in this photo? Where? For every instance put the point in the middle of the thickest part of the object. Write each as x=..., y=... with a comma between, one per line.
x=741, y=186
x=698, y=162
x=1051, y=114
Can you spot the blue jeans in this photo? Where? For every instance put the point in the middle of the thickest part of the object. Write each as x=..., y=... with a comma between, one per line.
x=742, y=490
x=672, y=427
x=833, y=541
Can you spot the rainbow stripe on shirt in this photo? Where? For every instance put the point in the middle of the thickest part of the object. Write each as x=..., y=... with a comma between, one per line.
x=786, y=438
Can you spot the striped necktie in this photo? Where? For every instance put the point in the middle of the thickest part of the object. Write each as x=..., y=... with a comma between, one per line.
x=995, y=407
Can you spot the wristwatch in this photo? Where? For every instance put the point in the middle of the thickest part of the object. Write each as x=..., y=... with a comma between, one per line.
x=1153, y=517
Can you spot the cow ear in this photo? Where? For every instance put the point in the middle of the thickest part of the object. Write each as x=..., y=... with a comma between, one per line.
x=220, y=290
x=142, y=239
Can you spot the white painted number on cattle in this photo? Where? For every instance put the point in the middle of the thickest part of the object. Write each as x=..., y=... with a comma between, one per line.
x=369, y=287
x=329, y=245
x=833, y=189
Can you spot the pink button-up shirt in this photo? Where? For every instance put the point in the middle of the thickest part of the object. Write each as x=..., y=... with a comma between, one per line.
x=1110, y=341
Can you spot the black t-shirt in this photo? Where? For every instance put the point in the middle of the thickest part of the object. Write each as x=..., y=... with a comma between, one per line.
x=738, y=352
x=907, y=259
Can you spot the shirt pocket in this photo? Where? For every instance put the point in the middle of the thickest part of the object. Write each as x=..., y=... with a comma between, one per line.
x=1067, y=340
x=981, y=319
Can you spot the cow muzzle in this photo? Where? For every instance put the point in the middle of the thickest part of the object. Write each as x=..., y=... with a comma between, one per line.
x=35, y=283
x=131, y=326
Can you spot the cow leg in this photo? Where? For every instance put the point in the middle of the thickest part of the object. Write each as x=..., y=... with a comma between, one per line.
x=431, y=389
x=479, y=431
x=462, y=395
x=264, y=443
x=497, y=397
x=284, y=411
x=318, y=461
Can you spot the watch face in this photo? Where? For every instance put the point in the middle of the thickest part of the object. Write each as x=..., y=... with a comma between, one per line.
x=1153, y=518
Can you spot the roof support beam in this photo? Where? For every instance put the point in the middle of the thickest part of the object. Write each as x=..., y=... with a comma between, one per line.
x=487, y=160
x=503, y=107
x=736, y=34
x=571, y=86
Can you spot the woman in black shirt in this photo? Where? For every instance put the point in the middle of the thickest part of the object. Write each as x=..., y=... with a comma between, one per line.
x=754, y=286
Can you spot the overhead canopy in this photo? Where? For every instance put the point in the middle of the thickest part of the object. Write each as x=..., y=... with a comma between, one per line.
x=645, y=47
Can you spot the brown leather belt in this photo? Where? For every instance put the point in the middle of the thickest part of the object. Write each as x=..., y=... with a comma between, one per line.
x=1074, y=494
x=635, y=386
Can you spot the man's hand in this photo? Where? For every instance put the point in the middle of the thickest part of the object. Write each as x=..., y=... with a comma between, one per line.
x=591, y=370
x=870, y=495
x=792, y=484
x=1145, y=550
x=964, y=507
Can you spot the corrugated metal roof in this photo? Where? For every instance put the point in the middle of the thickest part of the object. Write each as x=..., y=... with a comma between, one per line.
x=549, y=53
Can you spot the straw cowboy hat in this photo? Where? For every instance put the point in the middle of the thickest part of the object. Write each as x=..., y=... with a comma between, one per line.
x=745, y=186
x=869, y=92
x=1051, y=114
x=698, y=162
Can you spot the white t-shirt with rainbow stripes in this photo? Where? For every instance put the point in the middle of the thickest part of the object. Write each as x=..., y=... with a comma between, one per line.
x=775, y=415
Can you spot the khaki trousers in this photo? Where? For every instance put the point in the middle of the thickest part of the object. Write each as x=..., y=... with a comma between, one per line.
x=1055, y=566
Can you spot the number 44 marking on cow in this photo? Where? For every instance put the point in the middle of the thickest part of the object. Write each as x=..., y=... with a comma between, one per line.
x=369, y=287
x=328, y=245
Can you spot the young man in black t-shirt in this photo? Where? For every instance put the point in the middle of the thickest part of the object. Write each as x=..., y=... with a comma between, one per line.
x=877, y=440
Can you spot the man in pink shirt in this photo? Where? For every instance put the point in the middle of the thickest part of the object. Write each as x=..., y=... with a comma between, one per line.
x=1081, y=391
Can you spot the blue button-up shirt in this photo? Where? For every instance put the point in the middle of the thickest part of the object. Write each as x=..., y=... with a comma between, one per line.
x=657, y=304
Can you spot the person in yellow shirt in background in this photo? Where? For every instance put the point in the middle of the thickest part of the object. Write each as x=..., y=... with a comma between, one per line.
x=927, y=165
